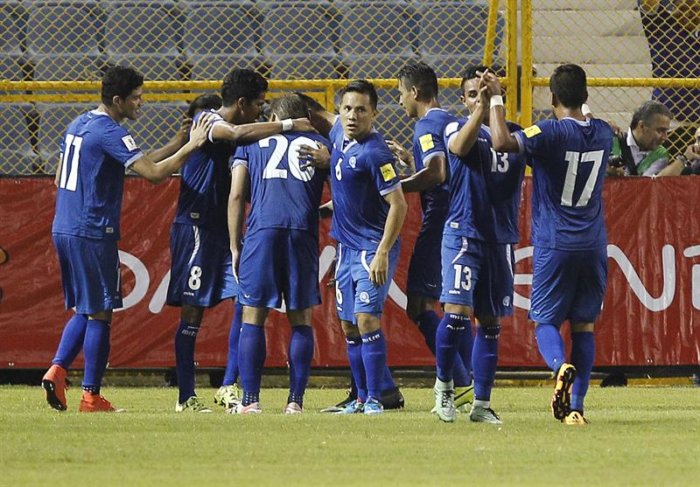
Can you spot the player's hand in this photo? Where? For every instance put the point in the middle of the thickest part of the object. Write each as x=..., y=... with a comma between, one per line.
x=302, y=125
x=379, y=268
x=314, y=156
x=400, y=152
x=200, y=130
x=490, y=80
x=184, y=131
x=235, y=261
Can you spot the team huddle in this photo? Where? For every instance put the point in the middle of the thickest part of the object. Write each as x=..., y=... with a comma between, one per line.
x=469, y=173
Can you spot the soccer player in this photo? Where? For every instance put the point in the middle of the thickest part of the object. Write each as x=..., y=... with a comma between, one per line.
x=279, y=261
x=477, y=246
x=418, y=94
x=95, y=152
x=201, y=274
x=569, y=156
x=368, y=211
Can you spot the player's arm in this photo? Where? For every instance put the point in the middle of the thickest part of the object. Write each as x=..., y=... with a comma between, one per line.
x=240, y=184
x=250, y=132
x=174, y=144
x=379, y=267
x=502, y=139
x=433, y=173
x=462, y=142
x=156, y=171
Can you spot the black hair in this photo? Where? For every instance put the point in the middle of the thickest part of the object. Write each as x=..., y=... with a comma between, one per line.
x=647, y=111
x=289, y=106
x=204, y=102
x=242, y=83
x=568, y=84
x=119, y=81
x=361, y=86
x=421, y=76
x=311, y=104
x=470, y=72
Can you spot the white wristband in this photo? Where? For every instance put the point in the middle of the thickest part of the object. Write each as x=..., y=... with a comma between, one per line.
x=287, y=125
x=496, y=101
x=586, y=110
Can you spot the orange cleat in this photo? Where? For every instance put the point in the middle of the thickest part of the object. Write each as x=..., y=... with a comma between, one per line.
x=561, y=400
x=95, y=403
x=575, y=418
x=54, y=384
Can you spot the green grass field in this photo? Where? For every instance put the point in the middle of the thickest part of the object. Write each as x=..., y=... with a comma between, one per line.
x=637, y=436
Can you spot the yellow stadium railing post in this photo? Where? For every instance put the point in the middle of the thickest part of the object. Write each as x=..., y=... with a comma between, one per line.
x=490, y=43
x=512, y=58
x=527, y=64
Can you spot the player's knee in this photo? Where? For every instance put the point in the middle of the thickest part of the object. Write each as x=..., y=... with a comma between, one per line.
x=191, y=314
x=301, y=317
x=254, y=316
x=489, y=329
x=349, y=329
x=416, y=305
x=102, y=316
x=458, y=309
x=582, y=327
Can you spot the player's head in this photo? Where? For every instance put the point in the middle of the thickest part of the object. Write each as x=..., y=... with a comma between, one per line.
x=244, y=91
x=204, y=102
x=289, y=106
x=470, y=87
x=417, y=84
x=312, y=105
x=568, y=86
x=358, y=107
x=121, y=91
x=650, y=124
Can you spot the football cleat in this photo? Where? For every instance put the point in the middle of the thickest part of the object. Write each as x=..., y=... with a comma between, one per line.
x=341, y=405
x=193, y=405
x=561, y=400
x=480, y=414
x=356, y=406
x=444, y=401
x=464, y=397
x=95, y=403
x=372, y=407
x=293, y=408
x=252, y=408
x=54, y=385
x=392, y=399
x=228, y=396
x=574, y=418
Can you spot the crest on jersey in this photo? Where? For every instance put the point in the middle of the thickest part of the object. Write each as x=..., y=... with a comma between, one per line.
x=426, y=142
x=364, y=297
x=352, y=162
x=388, y=172
x=531, y=131
x=129, y=143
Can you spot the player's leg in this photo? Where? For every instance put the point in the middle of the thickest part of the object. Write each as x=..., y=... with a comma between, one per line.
x=553, y=289
x=185, y=340
x=96, y=349
x=300, y=354
x=582, y=357
x=228, y=394
x=251, y=358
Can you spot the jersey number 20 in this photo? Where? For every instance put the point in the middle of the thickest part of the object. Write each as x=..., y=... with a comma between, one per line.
x=282, y=147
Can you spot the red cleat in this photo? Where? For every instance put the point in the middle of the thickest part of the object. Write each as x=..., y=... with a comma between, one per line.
x=94, y=403
x=54, y=384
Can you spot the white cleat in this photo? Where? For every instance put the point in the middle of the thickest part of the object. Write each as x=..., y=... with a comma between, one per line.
x=444, y=401
x=293, y=408
x=484, y=415
x=253, y=408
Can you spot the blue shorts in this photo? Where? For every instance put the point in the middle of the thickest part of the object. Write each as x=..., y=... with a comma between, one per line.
x=494, y=290
x=354, y=292
x=200, y=273
x=89, y=272
x=425, y=269
x=568, y=285
x=279, y=263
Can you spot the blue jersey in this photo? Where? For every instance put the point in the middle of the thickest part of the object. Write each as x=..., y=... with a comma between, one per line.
x=94, y=154
x=569, y=159
x=282, y=194
x=485, y=188
x=362, y=173
x=429, y=142
x=205, y=185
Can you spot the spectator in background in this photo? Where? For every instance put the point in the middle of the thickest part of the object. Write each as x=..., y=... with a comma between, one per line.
x=672, y=28
x=691, y=157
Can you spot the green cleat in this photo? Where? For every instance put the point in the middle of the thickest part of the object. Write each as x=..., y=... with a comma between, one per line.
x=228, y=396
x=464, y=397
x=193, y=405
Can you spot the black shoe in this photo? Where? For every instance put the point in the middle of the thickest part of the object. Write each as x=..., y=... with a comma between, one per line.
x=392, y=399
x=341, y=405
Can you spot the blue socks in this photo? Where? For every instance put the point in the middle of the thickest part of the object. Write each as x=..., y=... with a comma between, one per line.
x=96, y=353
x=582, y=356
x=550, y=344
x=374, y=359
x=71, y=341
x=454, y=331
x=185, y=339
x=485, y=360
x=428, y=322
x=357, y=366
x=231, y=374
x=252, y=350
x=300, y=354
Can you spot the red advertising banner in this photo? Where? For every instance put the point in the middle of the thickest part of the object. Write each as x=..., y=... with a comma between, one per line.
x=651, y=314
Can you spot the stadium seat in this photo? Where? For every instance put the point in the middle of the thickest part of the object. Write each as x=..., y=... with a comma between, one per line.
x=12, y=21
x=47, y=32
x=11, y=68
x=147, y=28
x=393, y=123
x=216, y=66
x=54, y=119
x=448, y=29
x=385, y=28
x=67, y=67
x=15, y=134
x=18, y=163
x=154, y=67
x=283, y=33
x=156, y=125
x=220, y=28
x=301, y=67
